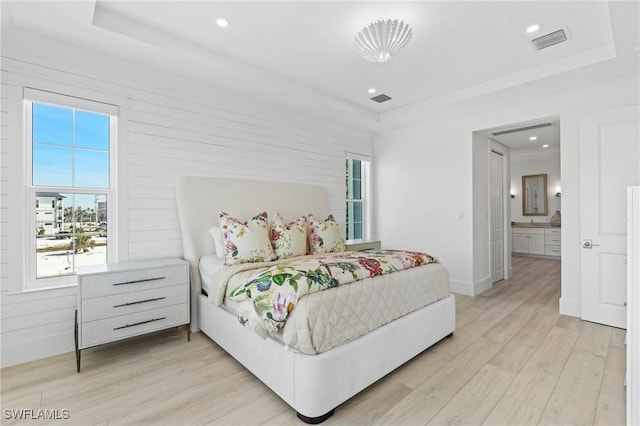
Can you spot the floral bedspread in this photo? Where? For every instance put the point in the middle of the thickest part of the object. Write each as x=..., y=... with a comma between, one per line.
x=276, y=290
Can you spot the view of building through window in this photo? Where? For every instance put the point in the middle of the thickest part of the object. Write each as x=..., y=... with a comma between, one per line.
x=70, y=176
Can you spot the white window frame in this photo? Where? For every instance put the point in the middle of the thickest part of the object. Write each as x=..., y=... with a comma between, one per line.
x=44, y=97
x=365, y=176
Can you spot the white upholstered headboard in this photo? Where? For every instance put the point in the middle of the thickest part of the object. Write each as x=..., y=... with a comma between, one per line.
x=200, y=200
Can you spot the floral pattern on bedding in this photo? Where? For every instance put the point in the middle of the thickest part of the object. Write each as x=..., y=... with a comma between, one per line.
x=275, y=291
x=246, y=241
x=325, y=236
x=289, y=239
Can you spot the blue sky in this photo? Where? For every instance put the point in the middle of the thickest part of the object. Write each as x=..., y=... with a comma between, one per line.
x=70, y=148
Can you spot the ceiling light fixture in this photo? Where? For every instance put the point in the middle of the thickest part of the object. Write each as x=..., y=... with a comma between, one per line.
x=533, y=138
x=372, y=90
x=545, y=145
x=533, y=28
x=222, y=23
x=383, y=40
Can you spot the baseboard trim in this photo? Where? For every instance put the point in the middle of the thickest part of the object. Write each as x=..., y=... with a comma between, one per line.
x=461, y=287
x=482, y=286
x=35, y=349
x=470, y=289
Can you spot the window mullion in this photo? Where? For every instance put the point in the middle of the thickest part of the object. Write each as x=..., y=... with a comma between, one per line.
x=73, y=149
x=47, y=265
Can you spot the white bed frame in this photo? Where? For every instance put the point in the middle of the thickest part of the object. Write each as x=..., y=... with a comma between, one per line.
x=312, y=384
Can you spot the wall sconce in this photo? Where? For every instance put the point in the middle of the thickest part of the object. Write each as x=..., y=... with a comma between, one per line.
x=513, y=195
x=558, y=192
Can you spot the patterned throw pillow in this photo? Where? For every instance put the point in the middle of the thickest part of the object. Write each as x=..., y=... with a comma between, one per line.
x=246, y=241
x=325, y=236
x=289, y=239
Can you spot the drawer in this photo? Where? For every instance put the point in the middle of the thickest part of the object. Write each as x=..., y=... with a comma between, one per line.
x=552, y=240
x=126, y=303
x=553, y=231
x=552, y=251
x=110, y=329
x=130, y=281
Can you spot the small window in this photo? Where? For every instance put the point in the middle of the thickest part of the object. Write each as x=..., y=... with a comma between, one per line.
x=357, y=172
x=71, y=173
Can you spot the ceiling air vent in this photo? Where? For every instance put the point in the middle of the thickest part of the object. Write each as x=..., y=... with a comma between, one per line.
x=521, y=129
x=381, y=98
x=549, y=39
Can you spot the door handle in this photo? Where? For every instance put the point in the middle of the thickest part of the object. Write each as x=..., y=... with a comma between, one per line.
x=588, y=244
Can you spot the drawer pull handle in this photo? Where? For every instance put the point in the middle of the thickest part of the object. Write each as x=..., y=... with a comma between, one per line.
x=140, y=281
x=139, y=323
x=139, y=302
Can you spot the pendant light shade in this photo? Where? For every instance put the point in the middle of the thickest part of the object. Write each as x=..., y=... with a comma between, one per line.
x=382, y=41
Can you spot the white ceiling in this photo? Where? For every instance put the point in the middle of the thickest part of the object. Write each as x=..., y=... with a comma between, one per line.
x=300, y=50
x=519, y=138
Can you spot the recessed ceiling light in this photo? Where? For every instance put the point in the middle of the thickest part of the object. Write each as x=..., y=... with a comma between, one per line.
x=533, y=138
x=546, y=145
x=372, y=90
x=223, y=23
x=533, y=28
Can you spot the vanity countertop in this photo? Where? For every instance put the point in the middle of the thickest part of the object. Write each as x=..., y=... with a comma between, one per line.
x=532, y=225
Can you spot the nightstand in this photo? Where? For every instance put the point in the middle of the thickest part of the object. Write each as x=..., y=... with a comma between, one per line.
x=122, y=300
x=359, y=245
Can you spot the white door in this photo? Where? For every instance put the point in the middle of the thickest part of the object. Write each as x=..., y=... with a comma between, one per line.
x=496, y=207
x=609, y=162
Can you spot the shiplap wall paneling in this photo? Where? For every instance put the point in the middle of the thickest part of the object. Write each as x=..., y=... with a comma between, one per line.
x=164, y=137
x=168, y=138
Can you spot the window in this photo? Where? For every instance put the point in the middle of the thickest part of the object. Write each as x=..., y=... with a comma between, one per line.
x=357, y=175
x=70, y=165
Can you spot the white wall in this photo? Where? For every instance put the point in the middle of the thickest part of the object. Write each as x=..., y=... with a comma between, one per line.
x=425, y=178
x=481, y=278
x=424, y=197
x=527, y=163
x=170, y=127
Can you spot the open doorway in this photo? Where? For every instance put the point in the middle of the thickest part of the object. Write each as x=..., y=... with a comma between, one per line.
x=504, y=158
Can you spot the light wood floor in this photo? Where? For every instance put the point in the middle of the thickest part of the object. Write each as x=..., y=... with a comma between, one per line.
x=513, y=360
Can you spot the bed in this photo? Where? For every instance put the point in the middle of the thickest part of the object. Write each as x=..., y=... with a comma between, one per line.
x=312, y=384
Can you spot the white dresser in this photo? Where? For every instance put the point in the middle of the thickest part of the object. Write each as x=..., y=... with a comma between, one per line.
x=121, y=300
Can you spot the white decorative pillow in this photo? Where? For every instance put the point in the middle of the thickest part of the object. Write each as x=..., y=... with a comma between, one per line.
x=289, y=239
x=325, y=236
x=216, y=234
x=246, y=241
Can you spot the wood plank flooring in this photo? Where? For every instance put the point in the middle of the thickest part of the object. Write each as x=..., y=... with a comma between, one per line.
x=513, y=360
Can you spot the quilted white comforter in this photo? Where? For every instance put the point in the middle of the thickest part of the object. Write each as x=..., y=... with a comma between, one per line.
x=329, y=318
